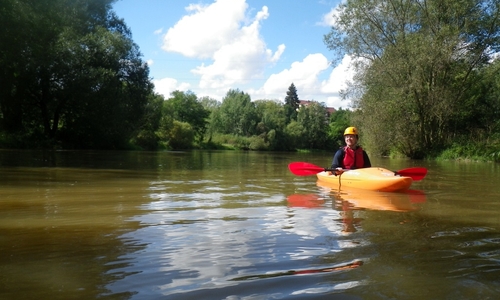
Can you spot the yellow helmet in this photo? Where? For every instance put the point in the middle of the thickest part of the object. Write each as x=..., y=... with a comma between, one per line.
x=351, y=130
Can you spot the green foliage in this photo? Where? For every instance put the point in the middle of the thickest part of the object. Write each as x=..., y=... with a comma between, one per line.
x=419, y=69
x=146, y=137
x=292, y=103
x=180, y=136
x=339, y=121
x=212, y=106
x=295, y=135
x=466, y=151
x=271, y=126
x=232, y=142
x=185, y=107
x=426, y=85
x=258, y=143
x=272, y=140
x=209, y=104
x=271, y=115
x=236, y=115
x=72, y=77
x=313, y=119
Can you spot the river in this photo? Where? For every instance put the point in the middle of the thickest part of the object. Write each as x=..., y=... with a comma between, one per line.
x=240, y=225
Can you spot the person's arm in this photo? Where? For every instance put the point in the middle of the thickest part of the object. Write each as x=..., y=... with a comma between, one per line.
x=366, y=160
x=338, y=159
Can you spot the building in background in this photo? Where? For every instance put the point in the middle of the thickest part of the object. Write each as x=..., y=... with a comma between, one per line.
x=329, y=110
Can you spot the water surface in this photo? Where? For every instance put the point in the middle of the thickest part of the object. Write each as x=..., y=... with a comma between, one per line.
x=239, y=225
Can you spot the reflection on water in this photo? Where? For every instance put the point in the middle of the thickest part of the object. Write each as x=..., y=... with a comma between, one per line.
x=347, y=200
x=352, y=265
x=238, y=225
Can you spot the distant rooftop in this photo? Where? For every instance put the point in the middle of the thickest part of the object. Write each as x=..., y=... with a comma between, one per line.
x=330, y=110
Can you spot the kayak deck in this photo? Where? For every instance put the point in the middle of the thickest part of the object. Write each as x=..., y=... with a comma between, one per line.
x=374, y=179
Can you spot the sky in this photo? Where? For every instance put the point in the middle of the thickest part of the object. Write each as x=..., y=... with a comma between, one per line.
x=259, y=47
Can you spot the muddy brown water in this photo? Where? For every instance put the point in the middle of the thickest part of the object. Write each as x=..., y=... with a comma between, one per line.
x=239, y=225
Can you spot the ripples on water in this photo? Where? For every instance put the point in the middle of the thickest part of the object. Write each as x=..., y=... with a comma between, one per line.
x=241, y=240
x=245, y=229
x=252, y=241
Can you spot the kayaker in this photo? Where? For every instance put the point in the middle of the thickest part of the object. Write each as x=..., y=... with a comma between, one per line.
x=352, y=156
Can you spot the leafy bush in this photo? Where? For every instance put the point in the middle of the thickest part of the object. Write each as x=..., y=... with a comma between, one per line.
x=258, y=143
x=181, y=135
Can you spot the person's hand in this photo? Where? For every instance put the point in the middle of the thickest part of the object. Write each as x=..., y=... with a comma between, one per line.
x=339, y=171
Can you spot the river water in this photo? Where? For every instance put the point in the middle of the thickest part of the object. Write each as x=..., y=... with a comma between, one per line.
x=240, y=225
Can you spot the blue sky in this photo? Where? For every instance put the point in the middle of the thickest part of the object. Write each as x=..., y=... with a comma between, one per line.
x=257, y=46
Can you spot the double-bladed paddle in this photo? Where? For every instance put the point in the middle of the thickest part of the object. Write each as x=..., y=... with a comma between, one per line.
x=307, y=169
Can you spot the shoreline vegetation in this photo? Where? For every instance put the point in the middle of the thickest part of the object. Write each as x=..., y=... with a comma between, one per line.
x=427, y=86
x=470, y=154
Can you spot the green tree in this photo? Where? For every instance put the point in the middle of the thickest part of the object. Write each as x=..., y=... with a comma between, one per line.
x=103, y=106
x=339, y=121
x=292, y=103
x=416, y=61
x=185, y=107
x=294, y=132
x=181, y=135
x=70, y=73
x=313, y=119
x=236, y=115
x=211, y=105
x=271, y=126
x=147, y=135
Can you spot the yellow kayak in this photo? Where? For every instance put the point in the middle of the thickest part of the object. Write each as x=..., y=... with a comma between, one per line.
x=373, y=179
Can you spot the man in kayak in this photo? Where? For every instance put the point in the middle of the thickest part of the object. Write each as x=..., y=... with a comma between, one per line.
x=351, y=156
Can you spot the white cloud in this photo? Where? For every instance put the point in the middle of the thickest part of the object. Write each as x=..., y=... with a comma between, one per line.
x=328, y=19
x=336, y=82
x=208, y=28
x=233, y=44
x=236, y=55
x=494, y=57
x=304, y=76
x=150, y=62
x=165, y=86
x=339, y=77
x=242, y=59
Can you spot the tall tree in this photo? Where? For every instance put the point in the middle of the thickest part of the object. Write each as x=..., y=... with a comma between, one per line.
x=236, y=114
x=339, y=121
x=314, y=121
x=292, y=103
x=147, y=136
x=272, y=123
x=185, y=107
x=211, y=105
x=70, y=74
x=416, y=61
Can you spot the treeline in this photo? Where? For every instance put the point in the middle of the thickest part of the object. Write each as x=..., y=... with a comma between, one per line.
x=70, y=75
x=186, y=121
x=427, y=84
x=72, y=78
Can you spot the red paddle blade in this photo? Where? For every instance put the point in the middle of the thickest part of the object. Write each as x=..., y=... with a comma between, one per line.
x=304, y=169
x=417, y=173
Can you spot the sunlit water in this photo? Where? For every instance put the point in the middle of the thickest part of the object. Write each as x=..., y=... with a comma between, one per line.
x=239, y=225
